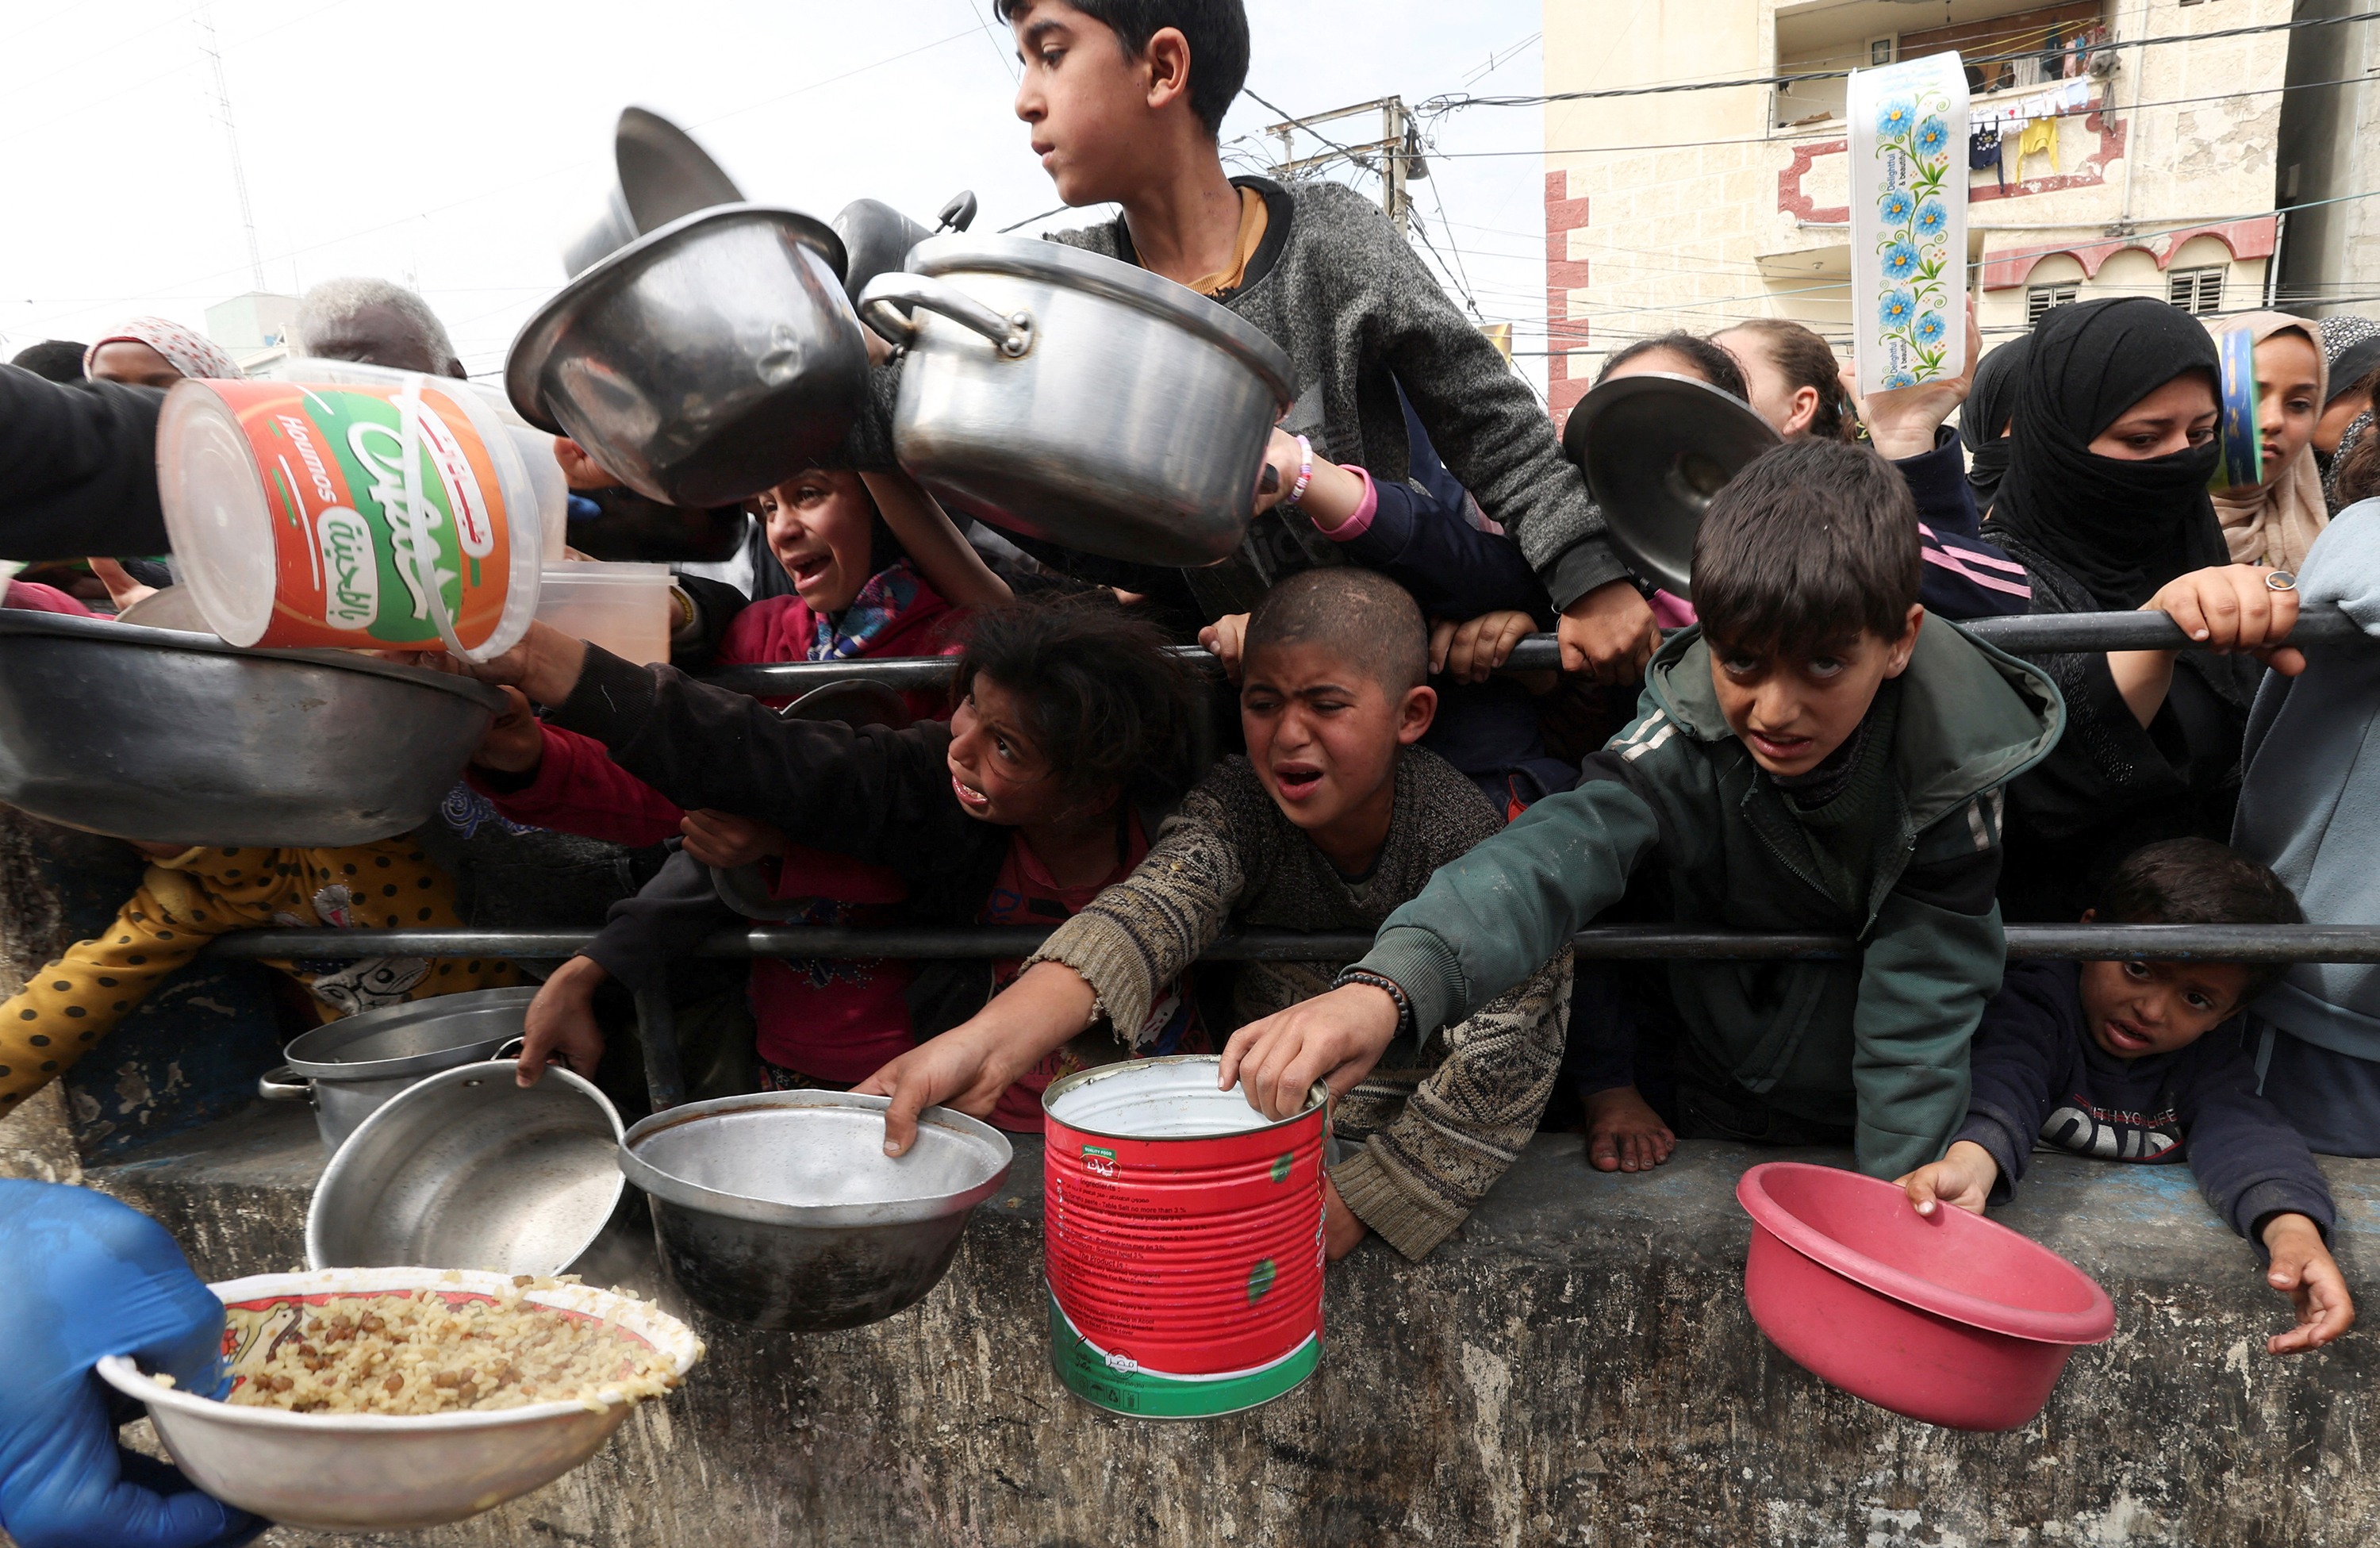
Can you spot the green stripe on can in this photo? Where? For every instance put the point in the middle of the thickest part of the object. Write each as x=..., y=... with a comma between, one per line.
x=1086, y=1370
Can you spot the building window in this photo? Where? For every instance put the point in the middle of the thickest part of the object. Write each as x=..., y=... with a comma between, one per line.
x=1879, y=51
x=2198, y=292
x=2041, y=298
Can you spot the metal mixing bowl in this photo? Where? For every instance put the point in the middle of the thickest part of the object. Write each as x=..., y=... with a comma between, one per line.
x=376, y=1472
x=180, y=739
x=469, y=1170
x=709, y=360
x=1074, y=397
x=347, y=1068
x=782, y=1210
x=662, y=174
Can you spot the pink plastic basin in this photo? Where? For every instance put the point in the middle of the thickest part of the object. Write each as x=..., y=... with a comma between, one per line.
x=1946, y=1318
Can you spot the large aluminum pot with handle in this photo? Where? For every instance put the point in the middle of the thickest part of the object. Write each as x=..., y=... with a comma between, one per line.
x=1079, y=399
x=714, y=359
x=347, y=1068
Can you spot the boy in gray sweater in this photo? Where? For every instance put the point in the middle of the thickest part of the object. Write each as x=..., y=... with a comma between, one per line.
x=1125, y=99
x=1332, y=820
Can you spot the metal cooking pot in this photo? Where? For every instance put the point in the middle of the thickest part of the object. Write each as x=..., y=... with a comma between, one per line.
x=1079, y=399
x=662, y=174
x=876, y=238
x=470, y=1170
x=782, y=1210
x=347, y=1068
x=703, y=364
x=180, y=739
x=1655, y=448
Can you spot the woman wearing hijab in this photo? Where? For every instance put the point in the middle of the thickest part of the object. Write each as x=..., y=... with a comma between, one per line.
x=2275, y=522
x=1984, y=418
x=2350, y=347
x=2105, y=504
x=156, y=352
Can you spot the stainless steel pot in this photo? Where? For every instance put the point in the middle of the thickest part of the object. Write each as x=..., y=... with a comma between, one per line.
x=470, y=1170
x=782, y=1210
x=662, y=174
x=1074, y=397
x=1656, y=449
x=347, y=1069
x=703, y=364
x=180, y=739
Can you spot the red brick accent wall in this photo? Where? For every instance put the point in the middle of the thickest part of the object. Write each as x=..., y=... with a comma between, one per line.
x=1563, y=275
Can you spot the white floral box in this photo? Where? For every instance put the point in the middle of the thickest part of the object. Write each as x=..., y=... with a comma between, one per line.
x=1908, y=221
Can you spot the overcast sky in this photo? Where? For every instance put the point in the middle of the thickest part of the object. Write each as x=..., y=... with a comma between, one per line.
x=454, y=146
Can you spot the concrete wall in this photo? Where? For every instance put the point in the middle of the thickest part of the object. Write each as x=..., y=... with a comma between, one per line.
x=1575, y=1366
x=1687, y=211
x=2330, y=148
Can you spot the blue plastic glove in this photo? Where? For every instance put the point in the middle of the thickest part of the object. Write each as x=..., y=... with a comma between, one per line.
x=82, y=1276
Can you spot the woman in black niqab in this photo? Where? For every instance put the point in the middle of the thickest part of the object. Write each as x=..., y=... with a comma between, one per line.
x=1984, y=417
x=2099, y=533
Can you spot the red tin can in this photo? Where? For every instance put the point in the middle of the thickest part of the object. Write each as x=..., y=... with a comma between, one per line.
x=1184, y=1240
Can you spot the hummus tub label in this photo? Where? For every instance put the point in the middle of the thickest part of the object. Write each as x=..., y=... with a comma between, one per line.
x=386, y=514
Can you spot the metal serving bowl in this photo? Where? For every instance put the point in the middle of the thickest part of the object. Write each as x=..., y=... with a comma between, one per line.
x=348, y=1068
x=1656, y=449
x=782, y=1210
x=709, y=360
x=180, y=739
x=1079, y=399
x=469, y=1170
x=375, y=1472
x=662, y=174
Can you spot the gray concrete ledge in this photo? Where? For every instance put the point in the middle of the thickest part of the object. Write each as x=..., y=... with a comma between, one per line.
x=1575, y=1366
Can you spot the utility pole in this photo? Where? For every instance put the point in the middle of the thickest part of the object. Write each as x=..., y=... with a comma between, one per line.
x=1395, y=156
x=238, y=172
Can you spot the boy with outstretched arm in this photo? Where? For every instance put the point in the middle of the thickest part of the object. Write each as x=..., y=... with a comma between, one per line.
x=1124, y=100
x=2133, y=1060
x=1335, y=818
x=1816, y=754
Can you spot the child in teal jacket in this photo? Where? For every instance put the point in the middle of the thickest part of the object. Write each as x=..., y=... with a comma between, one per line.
x=1816, y=755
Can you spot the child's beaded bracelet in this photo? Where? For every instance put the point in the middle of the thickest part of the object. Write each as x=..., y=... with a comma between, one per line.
x=1305, y=475
x=1387, y=985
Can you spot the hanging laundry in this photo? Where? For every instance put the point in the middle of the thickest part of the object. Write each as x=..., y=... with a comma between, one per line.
x=1984, y=151
x=2028, y=70
x=2040, y=139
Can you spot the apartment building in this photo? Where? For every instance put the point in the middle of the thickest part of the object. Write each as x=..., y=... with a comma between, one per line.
x=2155, y=173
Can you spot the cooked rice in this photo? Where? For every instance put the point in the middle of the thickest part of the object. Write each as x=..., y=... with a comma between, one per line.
x=406, y=1352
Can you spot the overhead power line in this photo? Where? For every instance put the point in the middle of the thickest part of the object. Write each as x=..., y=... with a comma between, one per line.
x=1453, y=101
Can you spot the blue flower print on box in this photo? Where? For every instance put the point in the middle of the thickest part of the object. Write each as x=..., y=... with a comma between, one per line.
x=1892, y=120
x=1909, y=186
x=1895, y=206
x=1930, y=329
x=1933, y=219
x=1900, y=379
x=1932, y=135
x=1901, y=261
x=1894, y=310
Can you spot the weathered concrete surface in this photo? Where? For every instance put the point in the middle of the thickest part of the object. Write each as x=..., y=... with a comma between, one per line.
x=1575, y=1368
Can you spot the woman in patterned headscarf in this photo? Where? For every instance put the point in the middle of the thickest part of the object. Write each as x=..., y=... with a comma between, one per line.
x=156, y=352
x=2351, y=346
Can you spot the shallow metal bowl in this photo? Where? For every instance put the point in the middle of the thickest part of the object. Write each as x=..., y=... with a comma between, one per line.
x=351, y=1472
x=780, y=1210
x=180, y=739
x=347, y=1068
x=469, y=1170
x=701, y=364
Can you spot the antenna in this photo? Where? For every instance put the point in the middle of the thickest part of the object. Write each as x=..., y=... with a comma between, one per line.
x=238, y=172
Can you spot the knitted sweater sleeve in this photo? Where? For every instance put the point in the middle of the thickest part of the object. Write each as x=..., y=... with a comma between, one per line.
x=1466, y=1122
x=1140, y=934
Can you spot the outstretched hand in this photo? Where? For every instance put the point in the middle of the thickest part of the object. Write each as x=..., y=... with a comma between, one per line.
x=560, y=1027
x=2229, y=608
x=2303, y=1270
x=1335, y=1038
x=1471, y=651
x=1224, y=639
x=1963, y=1178
x=969, y=1066
x=1609, y=634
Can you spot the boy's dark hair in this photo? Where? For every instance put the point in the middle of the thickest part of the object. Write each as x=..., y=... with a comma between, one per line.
x=2359, y=470
x=1360, y=615
x=52, y=360
x=2197, y=881
x=1104, y=697
x=1712, y=364
x=1812, y=542
x=1805, y=361
x=1217, y=31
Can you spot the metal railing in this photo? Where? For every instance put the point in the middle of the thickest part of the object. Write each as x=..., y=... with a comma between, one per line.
x=2029, y=634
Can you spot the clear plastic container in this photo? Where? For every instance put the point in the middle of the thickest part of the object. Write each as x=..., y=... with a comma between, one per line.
x=624, y=608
